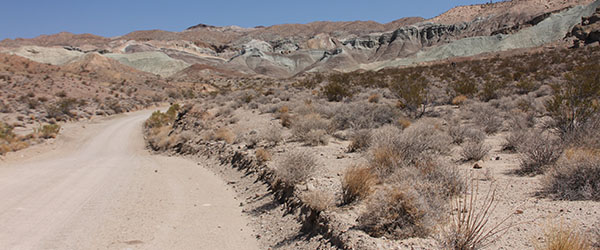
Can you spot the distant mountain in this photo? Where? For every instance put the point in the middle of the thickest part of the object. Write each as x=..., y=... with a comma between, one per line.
x=286, y=50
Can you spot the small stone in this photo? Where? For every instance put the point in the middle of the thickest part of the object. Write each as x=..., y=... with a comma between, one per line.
x=477, y=166
x=155, y=171
x=519, y=211
x=497, y=158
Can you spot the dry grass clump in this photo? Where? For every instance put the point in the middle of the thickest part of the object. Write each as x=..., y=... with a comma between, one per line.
x=262, y=155
x=374, y=98
x=311, y=129
x=563, y=238
x=538, y=151
x=357, y=184
x=397, y=213
x=284, y=116
x=576, y=176
x=385, y=160
x=474, y=150
x=296, y=167
x=224, y=134
x=360, y=140
x=458, y=100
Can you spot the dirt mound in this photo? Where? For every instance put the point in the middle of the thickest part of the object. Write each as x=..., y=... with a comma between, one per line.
x=153, y=62
x=515, y=7
x=51, y=55
x=199, y=71
x=101, y=67
x=60, y=39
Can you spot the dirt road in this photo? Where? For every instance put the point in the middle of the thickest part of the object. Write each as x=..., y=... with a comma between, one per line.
x=97, y=187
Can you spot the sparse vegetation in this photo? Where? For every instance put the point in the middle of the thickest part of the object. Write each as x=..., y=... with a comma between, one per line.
x=469, y=227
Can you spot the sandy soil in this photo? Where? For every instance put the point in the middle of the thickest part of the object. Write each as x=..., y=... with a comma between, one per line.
x=96, y=187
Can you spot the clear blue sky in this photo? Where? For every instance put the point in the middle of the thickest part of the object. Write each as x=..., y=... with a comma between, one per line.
x=28, y=18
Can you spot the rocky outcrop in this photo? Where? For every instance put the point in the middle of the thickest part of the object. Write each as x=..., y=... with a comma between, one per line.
x=588, y=31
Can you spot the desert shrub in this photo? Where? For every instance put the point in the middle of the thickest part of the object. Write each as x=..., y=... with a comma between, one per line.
x=457, y=132
x=487, y=118
x=411, y=89
x=422, y=140
x=311, y=129
x=262, y=155
x=318, y=200
x=464, y=88
x=525, y=86
x=586, y=135
x=514, y=140
x=6, y=131
x=272, y=136
x=393, y=148
x=576, y=100
x=560, y=237
x=337, y=88
x=363, y=116
x=296, y=167
x=474, y=150
x=576, y=176
x=359, y=140
x=538, y=151
x=49, y=131
x=224, y=112
x=224, y=134
x=159, y=119
x=490, y=90
x=61, y=107
x=396, y=213
x=357, y=184
x=316, y=137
